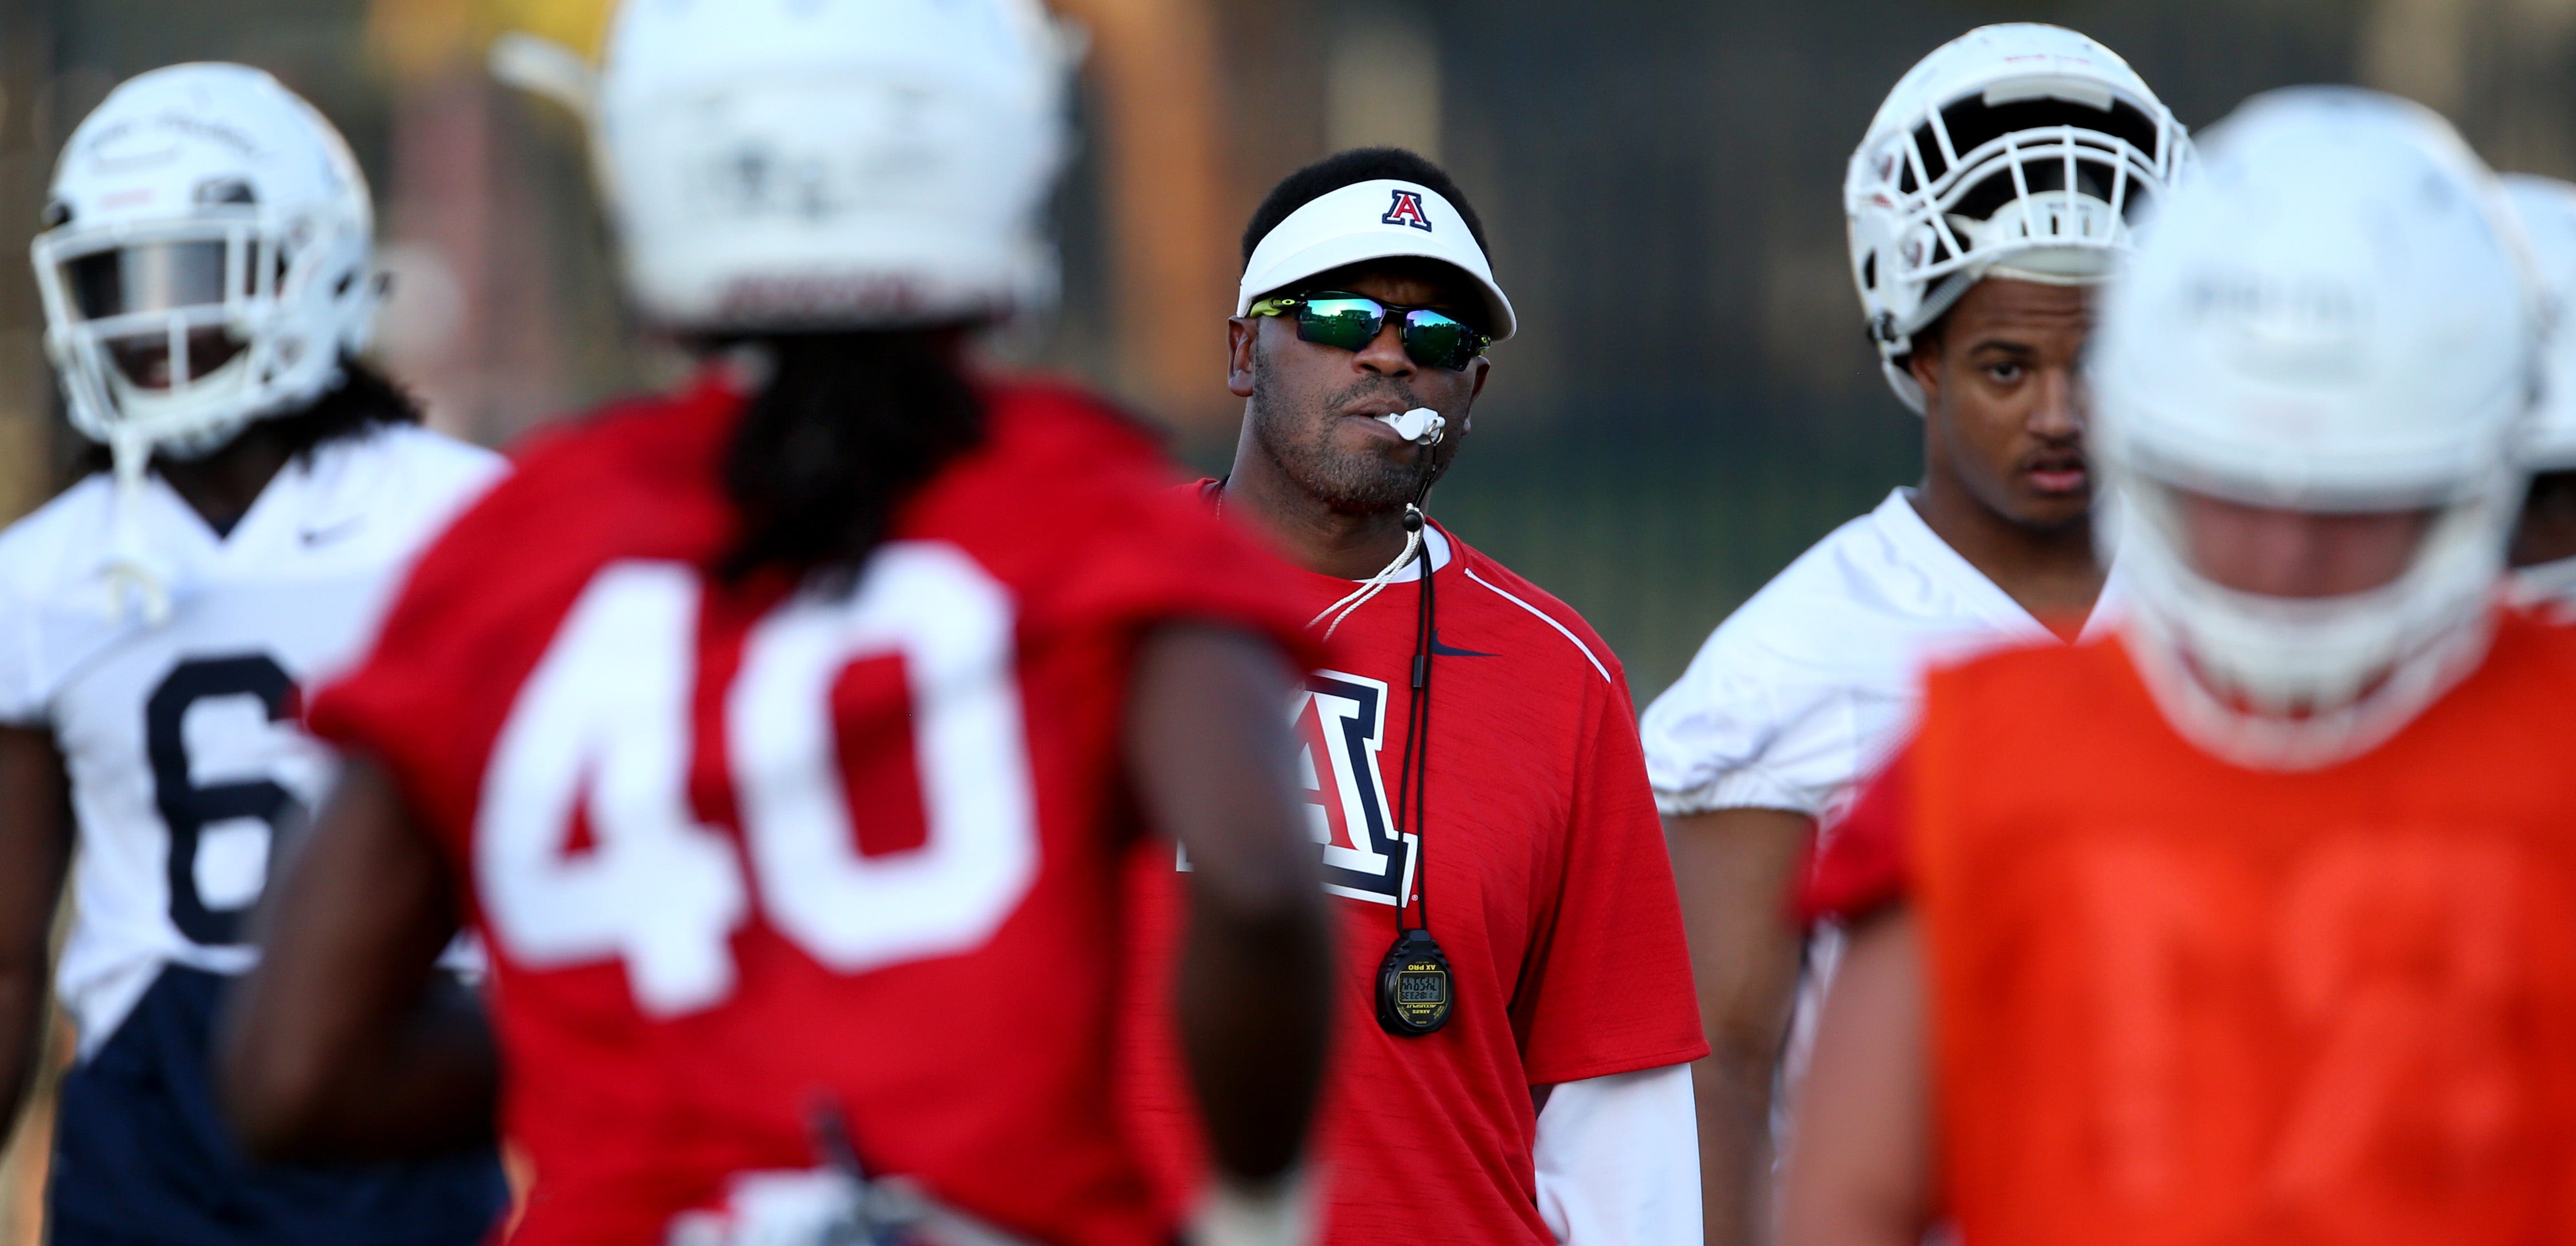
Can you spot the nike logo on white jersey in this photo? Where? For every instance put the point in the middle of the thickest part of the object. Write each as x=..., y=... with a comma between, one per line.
x=332, y=532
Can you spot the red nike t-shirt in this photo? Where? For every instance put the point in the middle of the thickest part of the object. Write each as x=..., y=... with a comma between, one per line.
x=1549, y=890
x=743, y=857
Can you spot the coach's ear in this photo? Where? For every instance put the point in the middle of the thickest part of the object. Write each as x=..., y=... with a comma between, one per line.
x=1242, y=337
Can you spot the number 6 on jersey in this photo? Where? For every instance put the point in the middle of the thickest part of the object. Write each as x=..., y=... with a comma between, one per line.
x=600, y=737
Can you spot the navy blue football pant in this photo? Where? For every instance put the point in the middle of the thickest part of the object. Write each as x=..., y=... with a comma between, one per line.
x=143, y=1158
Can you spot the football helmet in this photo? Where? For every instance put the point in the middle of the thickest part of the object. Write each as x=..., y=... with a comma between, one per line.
x=205, y=263
x=205, y=258
x=798, y=164
x=2337, y=316
x=2021, y=150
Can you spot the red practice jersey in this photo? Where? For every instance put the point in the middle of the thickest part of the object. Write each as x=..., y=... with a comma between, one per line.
x=1549, y=891
x=743, y=855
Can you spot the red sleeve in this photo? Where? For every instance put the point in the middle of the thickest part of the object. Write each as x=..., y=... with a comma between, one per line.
x=1087, y=521
x=1169, y=557
x=480, y=605
x=471, y=619
x=1608, y=985
x=1861, y=864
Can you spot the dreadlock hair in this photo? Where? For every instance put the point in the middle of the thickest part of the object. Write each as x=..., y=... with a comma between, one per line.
x=364, y=400
x=847, y=428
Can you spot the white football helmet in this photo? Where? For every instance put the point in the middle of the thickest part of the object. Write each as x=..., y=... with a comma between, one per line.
x=2336, y=315
x=798, y=164
x=205, y=263
x=205, y=260
x=2020, y=150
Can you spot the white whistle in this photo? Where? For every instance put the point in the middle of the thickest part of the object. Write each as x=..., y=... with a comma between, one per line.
x=1421, y=425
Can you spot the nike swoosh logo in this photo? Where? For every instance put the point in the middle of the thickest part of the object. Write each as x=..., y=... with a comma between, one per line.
x=324, y=536
x=1446, y=651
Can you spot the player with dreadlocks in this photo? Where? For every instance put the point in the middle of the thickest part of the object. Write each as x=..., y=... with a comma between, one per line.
x=783, y=737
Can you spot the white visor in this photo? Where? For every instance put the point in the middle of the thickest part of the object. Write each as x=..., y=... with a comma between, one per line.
x=1371, y=221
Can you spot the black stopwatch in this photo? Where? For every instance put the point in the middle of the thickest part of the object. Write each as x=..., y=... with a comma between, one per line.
x=1414, y=987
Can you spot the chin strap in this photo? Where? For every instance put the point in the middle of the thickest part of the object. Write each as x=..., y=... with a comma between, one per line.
x=137, y=583
x=1423, y=427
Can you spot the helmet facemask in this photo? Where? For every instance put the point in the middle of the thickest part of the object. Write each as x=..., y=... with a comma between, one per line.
x=2301, y=682
x=177, y=333
x=2019, y=151
x=2046, y=186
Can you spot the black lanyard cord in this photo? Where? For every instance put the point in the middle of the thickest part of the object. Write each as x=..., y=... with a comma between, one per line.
x=1415, y=989
x=1412, y=801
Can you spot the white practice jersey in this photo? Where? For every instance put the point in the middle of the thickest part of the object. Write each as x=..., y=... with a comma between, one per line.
x=182, y=739
x=1804, y=691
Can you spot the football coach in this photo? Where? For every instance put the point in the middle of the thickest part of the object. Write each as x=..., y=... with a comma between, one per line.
x=1511, y=1063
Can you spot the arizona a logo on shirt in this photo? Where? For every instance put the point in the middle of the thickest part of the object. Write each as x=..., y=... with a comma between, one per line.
x=1407, y=210
x=1341, y=723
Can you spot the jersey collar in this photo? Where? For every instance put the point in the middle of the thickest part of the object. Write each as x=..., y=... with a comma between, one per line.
x=1926, y=550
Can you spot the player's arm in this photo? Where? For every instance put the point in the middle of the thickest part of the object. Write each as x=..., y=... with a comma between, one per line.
x=1860, y=1168
x=1209, y=755
x=1734, y=869
x=35, y=850
x=345, y=1042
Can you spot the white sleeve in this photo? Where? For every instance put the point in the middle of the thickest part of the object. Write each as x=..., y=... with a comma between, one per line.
x=1618, y=1160
x=1742, y=729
